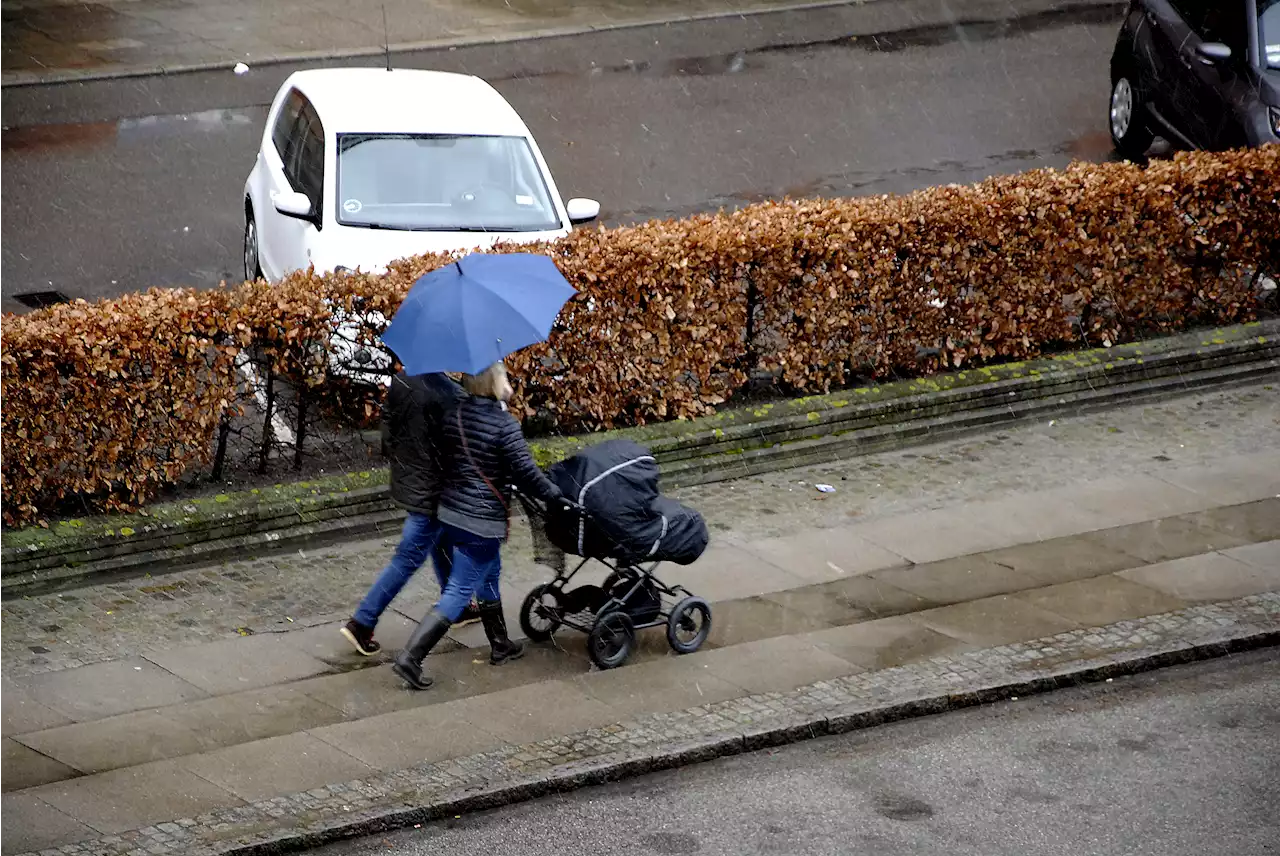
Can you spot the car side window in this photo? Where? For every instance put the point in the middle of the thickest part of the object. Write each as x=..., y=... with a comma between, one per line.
x=308, y=174
x=1193, y=11
x=1226, y=23
x=1218, y=21
x=286, y=121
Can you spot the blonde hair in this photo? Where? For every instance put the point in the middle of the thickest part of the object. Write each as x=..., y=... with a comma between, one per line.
x=490, y=383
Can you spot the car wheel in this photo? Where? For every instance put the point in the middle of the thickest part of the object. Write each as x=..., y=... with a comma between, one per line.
x=1129, y=133
x=252, y=267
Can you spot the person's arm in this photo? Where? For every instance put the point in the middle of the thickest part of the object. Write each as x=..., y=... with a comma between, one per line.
x=519, y=461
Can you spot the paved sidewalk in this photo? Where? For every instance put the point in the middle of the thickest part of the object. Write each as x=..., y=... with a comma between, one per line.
x=59, y=40
x=1102, y=549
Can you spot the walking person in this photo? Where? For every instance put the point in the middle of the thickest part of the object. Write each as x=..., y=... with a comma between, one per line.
x=415, y=409
x=486, y=454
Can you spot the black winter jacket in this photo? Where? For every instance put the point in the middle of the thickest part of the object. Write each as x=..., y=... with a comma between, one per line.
x=477, y=492
x=412, y=419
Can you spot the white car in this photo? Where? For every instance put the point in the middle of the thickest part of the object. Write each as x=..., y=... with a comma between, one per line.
x=361, y=166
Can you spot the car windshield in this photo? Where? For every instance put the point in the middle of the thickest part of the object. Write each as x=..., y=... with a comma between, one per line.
x=1269, y=31
x=439, y=182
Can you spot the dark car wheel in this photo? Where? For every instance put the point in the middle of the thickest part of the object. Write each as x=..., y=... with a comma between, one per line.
x=1129, y=131
x=252, y=267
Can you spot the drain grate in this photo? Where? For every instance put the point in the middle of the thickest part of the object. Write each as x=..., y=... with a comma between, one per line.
x=41, y=299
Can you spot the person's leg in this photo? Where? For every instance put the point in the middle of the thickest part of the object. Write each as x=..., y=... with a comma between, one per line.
x=469, y=570
x=417, y=541
x=489, y=599
x=442, y=562
x=474, y=560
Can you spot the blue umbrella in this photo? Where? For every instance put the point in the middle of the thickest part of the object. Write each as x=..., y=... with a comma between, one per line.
x=469, y=314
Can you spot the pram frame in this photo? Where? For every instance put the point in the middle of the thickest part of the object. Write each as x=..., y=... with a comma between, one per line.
x=674, y=601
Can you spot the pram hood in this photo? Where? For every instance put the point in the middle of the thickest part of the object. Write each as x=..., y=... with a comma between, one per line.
x=627, y=517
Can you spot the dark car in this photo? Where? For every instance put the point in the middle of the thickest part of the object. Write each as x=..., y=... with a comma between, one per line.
x=1202, y=74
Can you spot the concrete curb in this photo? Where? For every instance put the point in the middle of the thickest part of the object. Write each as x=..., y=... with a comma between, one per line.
x=794, y=730
x=733, y=445
x=21, y=79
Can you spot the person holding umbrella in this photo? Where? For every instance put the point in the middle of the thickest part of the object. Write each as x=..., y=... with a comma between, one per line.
x=465, y=317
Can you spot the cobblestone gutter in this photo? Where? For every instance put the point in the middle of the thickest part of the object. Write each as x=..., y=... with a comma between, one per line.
x=733, y=444
x=662, y=741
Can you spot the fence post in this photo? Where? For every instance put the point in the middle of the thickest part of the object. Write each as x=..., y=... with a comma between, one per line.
x=301, y=434
x=220, y=456
x=268, y=435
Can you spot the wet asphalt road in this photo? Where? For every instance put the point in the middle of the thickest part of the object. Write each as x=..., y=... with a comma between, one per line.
x=1181, y=762
x=120, y=185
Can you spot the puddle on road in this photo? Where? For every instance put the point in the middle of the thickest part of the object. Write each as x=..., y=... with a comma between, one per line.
x=91, y=135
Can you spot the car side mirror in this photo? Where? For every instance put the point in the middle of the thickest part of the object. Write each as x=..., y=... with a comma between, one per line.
x=582, y=210
x=294, y=204
x=1213, y=53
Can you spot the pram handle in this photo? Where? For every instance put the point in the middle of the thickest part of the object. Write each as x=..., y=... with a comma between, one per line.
x=564, y=502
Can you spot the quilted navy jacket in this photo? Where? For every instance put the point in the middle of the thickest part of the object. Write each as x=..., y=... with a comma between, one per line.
x=487, y=454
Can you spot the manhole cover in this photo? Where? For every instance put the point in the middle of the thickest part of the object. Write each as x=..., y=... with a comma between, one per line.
x=41, y=299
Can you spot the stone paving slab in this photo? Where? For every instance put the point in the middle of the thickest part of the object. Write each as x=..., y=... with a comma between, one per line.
x=30, y=823
x=275, y=766
x=128, y=740
x=104, y=689
x=774, y=665
x=734, y=622
x=532, y=712
x=873, y=598
x=993, y=621
x=1062, y=560
x=22, y=713
x=1231, y=482
x=1254, y=521
x=27, y=768
x=239, y=664
x=425, y=734
x=668, y=684
x=658, y=741
x=727, y=571
x=1102, y=600
x=957, y=580
x=1161, y=540
x=827, y=554
x=133, y=798
x=1264, y=556
x=886, y=642
x=252, y=715
x=1213, y=576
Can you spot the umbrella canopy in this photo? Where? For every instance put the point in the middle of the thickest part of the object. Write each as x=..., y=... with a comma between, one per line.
x=469, y=314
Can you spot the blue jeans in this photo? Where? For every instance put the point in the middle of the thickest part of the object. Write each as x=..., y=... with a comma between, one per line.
x=420, y=538
x=477, y=563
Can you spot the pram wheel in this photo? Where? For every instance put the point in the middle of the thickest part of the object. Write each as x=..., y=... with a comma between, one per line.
x=540, y=613
x=612, y=639
x=689, y=625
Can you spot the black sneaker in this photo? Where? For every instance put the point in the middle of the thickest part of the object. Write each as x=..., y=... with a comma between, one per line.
x=470, y=615
x=361, y=637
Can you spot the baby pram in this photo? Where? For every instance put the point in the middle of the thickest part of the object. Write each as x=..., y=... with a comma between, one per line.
x=616, y=517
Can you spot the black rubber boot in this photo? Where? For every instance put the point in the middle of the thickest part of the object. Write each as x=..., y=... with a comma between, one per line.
x=408, y=663
x=501, y=647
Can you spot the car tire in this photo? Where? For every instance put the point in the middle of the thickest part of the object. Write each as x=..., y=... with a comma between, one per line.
x=252, y=264
x=1129, y=132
